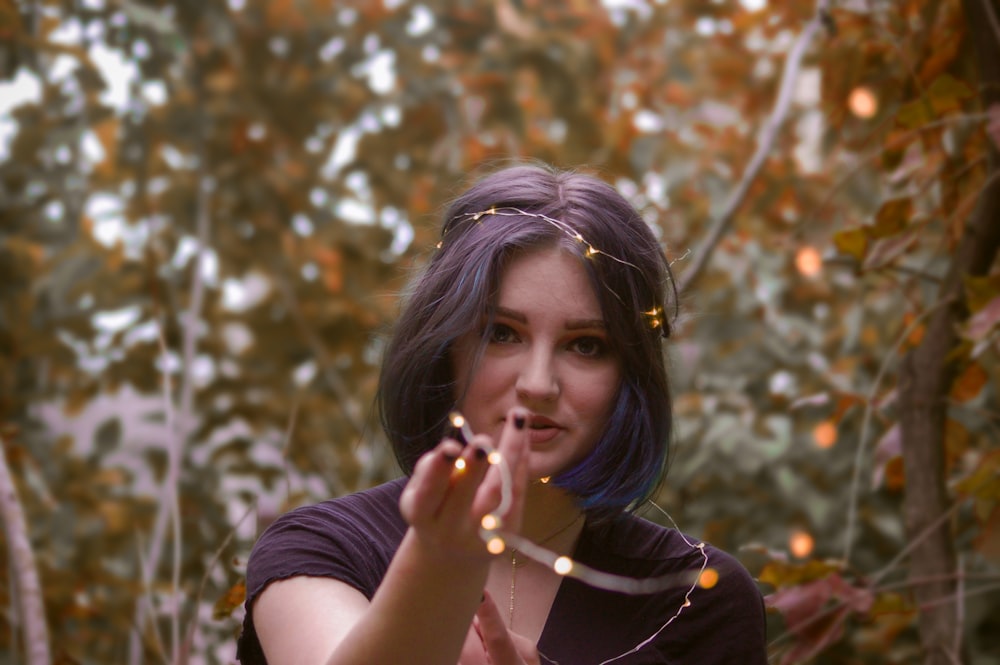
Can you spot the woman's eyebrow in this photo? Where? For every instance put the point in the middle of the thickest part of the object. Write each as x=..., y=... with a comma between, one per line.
x=572, y=324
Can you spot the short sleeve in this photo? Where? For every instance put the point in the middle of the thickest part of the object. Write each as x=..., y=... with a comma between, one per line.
x=351, y=539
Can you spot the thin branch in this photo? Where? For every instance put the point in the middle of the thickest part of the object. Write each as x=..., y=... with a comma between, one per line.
x=852, y=506
x=193, y=624
x=992, y=16
x=26, y=580
x=765, y=143
x=178, y=425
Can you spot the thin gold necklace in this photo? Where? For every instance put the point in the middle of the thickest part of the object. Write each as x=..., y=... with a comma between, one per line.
x=514, y=564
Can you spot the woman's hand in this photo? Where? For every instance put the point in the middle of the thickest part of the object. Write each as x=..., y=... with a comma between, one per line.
x=452, y=488
x=489, y=642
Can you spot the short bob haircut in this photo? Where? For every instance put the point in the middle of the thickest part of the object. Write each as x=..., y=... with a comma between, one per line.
x=458, y=289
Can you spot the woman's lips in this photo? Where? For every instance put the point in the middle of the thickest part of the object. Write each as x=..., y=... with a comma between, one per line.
x=542, y=429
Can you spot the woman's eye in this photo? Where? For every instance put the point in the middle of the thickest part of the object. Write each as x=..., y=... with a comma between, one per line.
x=502, y=334
x=593, y=347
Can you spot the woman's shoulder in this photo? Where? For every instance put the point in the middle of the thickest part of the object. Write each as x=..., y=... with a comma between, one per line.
x=358, y=532
x=633, y=537
x=373, y=508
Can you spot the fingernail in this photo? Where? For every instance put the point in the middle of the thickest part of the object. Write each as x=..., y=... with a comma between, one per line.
x=519, y=421
x=481, y=453
x=449, y=458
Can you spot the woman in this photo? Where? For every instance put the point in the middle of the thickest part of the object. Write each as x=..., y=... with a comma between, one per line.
x=540, y=318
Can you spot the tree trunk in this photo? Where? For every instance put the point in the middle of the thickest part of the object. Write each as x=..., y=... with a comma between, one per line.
x=926, y=378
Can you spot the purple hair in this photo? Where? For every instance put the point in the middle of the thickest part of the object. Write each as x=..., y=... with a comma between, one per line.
x=459, y=286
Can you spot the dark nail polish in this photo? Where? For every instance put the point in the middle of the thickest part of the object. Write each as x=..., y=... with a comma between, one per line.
x=481, y=453
x=519, y=421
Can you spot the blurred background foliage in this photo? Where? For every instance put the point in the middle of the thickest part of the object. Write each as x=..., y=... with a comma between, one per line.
x=209, y=210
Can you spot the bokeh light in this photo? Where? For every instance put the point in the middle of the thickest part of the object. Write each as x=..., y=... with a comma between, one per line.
x=495, y=545
x=563, y=565
x=801, y=544
x=862, y=102
x=825, y=434
x=708, y=578
x=808, y=261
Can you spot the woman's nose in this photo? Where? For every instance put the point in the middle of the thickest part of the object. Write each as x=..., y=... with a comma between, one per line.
x=538, y=378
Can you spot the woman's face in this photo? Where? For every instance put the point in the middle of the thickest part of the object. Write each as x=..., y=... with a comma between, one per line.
x=547, y=351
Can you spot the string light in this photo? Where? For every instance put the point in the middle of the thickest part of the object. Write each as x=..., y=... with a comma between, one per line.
x=460, y=464
x=459, y=422
x=495, y=545
x=656, y=321
x=497, y=542
x=511, y=211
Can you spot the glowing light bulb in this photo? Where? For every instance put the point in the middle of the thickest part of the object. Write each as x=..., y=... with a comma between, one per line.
x=545, y=479
x=801, y=544
x=862, y=102
x=459, y=422
x=439, y=244
x=590, y=251
x=494, y=457
x=460, y=464
x=708, y=578
x=490, y=522
x=563, y=565
x=495, y=545
x=825, y=434
x=808, y=261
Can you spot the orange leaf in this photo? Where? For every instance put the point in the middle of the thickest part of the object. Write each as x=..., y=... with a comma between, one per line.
x=892, y=217
x=230, y=600
x=970, y=382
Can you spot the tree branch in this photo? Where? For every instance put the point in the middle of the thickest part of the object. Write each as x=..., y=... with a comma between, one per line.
x=168, y=513
x=765, y=142
x=26, y=581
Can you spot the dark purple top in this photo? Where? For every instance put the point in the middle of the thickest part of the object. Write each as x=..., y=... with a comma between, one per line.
x=354, y=538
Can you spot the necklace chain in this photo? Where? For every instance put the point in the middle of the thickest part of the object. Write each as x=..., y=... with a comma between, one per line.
x=514, y=564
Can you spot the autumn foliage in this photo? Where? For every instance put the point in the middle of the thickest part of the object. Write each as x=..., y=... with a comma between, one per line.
x=202, y=249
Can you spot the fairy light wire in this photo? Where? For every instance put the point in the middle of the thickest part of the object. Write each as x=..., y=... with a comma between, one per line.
x=655, y=315
x=497, y=541
x=512, y=211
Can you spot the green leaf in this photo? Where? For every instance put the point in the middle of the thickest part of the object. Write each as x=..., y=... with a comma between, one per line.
x=947, y=92
x=852, y=241
x=915, y=114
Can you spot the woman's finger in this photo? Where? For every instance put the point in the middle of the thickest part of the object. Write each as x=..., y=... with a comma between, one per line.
x=429, y=485
x=502, y=646
x=465, y=482
x=508, y=476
